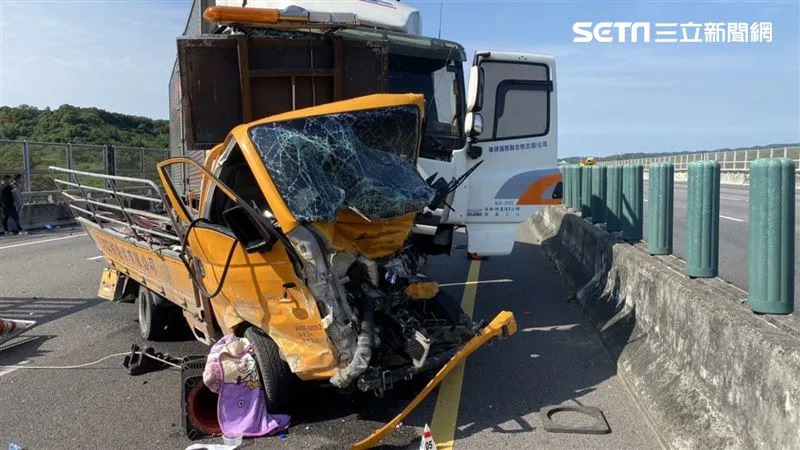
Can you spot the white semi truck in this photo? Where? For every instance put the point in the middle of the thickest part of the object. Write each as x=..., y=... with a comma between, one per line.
x=274, y=56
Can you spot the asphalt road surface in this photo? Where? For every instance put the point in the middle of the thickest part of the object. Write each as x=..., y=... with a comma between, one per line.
x=733, y=229
x=555, y=358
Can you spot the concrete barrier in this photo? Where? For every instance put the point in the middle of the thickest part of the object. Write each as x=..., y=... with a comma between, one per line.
x=55, y=212
x=38, y=215
x=704, y=369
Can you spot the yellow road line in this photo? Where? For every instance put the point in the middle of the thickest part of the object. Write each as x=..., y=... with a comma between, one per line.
x=445, y=414
x=468, y=299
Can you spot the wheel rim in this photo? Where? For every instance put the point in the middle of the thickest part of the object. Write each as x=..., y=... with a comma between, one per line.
x=144, y=313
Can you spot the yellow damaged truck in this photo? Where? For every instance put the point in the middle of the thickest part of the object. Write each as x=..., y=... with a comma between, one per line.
x=308, y=231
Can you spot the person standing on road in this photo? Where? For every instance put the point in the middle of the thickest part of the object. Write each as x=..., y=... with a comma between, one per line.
x=17, y=193
x=6, y=180
x=7, y=204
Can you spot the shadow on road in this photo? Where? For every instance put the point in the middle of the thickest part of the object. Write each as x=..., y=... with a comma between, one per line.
x=43, y=309
x=23, y=348
x=555, y=358
x=599, y=303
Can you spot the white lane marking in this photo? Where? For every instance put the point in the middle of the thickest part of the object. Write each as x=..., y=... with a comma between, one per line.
x=732, y=218
x=95, y=257
x=8, y=370
x=738, y=199
x=766, y=321
x=42, y=241
x=645, y=199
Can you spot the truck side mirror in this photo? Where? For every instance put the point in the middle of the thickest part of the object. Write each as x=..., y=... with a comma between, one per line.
x=249, y=230
x=475, y=89
x=474, y=124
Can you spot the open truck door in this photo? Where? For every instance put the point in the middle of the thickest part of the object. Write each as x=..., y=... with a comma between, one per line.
x=512, y=134
x=227, y=250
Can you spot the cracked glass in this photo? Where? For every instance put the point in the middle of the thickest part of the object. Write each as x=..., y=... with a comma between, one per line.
x=362, y=160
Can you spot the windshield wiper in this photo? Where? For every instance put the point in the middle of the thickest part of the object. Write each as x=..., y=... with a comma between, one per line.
x=443, y=188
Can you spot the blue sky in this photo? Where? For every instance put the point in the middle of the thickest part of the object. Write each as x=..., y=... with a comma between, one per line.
x=613, y=98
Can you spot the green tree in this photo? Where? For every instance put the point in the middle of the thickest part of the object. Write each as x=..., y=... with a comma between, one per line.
x=82, y=126
x=77, y=126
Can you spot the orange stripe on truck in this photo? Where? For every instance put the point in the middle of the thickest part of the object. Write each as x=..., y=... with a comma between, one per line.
x=535, y=194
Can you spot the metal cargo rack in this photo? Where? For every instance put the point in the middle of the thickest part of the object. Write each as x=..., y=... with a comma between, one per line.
x=146, y=217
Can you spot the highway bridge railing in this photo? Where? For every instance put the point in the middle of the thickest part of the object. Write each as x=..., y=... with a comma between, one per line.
x=730, y=160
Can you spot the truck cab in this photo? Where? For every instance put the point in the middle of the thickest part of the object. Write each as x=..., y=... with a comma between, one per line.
x=236, y=64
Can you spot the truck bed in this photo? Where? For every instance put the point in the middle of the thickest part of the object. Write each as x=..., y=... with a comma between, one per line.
x=129, y=222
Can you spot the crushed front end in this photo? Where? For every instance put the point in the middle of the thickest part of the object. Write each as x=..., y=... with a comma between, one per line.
x=350, y=181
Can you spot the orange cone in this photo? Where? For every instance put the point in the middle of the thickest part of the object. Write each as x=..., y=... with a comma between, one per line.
x=10, y=328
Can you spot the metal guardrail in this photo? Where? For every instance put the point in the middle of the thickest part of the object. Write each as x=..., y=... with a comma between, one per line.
x=730, y=161
x=32, y=160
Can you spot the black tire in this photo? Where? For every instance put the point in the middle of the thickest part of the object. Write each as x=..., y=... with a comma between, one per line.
x=159, y=320
x=276, y=377
x=446, y=307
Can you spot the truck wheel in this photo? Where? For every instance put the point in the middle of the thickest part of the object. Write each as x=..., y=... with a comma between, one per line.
x=159, y=320
x=276, y=376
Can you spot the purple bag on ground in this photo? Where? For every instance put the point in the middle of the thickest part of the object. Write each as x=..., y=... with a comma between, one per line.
x=241, y=409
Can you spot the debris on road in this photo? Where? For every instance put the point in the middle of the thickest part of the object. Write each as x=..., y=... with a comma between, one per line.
x=212, y=447
x=600, y=425
x=144, y=360
x=476, y=257
x=232, y=441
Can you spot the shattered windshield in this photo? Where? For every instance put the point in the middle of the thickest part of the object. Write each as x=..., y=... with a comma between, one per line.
x=364, y=160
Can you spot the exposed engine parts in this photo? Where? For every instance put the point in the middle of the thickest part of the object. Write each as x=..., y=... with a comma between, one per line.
x=380, y=313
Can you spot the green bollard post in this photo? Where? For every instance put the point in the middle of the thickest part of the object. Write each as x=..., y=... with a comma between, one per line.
x=702, y=246
x=577, y=176
x=598, y=202
x=770, y=253
x=632, y=202
x=567, y=184
x=614, y=198
x=660, y=209
x=586, y=191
